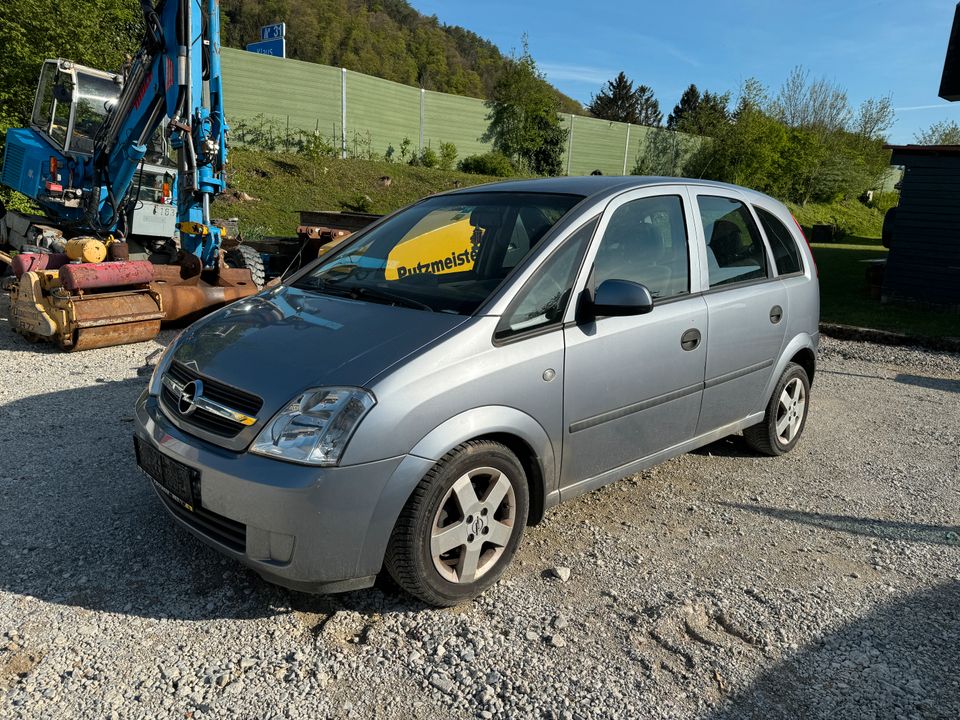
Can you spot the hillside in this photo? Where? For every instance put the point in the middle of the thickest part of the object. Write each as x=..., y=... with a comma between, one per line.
x=283, y=183
x=385, y=38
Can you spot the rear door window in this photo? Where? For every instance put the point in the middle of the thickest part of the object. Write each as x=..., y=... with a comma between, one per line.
x=735, y=251
x=786, y=254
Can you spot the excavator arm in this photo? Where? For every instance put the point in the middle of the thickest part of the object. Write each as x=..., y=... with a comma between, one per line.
x=175, y=76
x=90, y=129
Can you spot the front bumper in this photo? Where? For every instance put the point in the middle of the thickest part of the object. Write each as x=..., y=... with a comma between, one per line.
x=307, y=528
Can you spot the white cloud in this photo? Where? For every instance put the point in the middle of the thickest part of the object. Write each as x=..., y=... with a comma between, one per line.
x=660, y=45
x=577, y=73
x=938, y=106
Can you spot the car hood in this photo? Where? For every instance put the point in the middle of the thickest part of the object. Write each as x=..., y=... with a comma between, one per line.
x=285, y=340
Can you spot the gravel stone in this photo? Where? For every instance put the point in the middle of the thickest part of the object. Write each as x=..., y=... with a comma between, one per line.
x=561, y=573
x=822, y=584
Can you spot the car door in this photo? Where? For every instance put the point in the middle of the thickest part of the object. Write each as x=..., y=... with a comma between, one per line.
x=746, y=305
x=632, y=385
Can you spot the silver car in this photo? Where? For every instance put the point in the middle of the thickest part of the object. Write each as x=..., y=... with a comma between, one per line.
x=415, y=399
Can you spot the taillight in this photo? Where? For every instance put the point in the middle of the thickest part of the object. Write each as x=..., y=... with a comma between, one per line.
x=165, y=192
x=804, y=236
x=53, y=168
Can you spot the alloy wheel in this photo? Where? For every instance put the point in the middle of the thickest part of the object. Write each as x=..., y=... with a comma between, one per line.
x=473, y=525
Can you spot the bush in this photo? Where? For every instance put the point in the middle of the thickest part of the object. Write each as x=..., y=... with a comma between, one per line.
x=448, y=155
x=426, y=158
x=491, y=163
x=404, y=149
x=883, y=201
x=318, y=146
x=849, y=218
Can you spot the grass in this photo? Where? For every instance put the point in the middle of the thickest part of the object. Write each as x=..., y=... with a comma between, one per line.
x=845, y=298
x=281, y=184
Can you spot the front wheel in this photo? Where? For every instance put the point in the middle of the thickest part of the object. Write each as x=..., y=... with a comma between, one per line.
x=461, y=526
x=786, y=414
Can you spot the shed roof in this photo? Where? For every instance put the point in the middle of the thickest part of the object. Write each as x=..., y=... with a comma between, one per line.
x=925, y=149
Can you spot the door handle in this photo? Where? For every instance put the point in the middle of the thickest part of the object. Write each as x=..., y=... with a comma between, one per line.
x=776, y=314
x=690, y=340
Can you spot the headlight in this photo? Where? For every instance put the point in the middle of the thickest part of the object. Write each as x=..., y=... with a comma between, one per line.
x=315, y=428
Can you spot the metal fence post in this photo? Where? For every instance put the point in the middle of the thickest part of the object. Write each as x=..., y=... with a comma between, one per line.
x=343, y=113
x=423, y=94
x=626, y=150
x=569, y=143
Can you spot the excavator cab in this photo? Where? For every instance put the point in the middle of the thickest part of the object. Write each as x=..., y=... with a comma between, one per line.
x=71, y=104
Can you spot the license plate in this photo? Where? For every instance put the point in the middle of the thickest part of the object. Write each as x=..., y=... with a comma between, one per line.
x=173, y=478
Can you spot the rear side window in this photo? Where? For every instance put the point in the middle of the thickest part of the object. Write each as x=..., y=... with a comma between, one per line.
x=735, y=252
x=786, y=254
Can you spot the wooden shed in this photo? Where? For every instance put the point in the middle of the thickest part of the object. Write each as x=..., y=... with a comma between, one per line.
x=924, y=260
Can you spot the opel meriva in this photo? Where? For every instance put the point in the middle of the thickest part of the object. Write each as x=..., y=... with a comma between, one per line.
x=415, y=398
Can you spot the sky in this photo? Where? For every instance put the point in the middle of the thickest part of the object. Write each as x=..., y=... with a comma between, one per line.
x=871, y=48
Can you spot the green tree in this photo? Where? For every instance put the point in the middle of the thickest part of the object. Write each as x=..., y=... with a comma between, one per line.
x=698, y=114
x=620, y=101
x=524, y=120
x=649, y=107
x=687, y=105
x=746, y=148
x=945, y=132
x=98, y=33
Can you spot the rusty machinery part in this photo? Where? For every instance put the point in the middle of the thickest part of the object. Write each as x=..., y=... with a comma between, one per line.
x=29, y=262
x=41, y=308
x=188, y=301
x=118, y=251
x=86, y=249
x=320, y=232
x=318, y=241
x=190, y=265
x=92, y=276
x=191, y=296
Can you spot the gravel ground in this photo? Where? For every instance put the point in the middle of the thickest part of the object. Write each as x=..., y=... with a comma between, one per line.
x=825, y=584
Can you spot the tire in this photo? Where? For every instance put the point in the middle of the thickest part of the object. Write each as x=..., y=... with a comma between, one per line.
x=765, y=437
x=482, y=535
x=244, y=256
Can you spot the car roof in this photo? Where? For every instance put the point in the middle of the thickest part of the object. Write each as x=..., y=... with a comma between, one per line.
x=597, y=186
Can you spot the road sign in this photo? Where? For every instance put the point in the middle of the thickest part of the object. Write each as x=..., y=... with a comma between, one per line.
x=272, y=32
x=276, y=48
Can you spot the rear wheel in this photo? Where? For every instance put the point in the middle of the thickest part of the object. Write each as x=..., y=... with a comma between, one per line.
x=786, y=414
x=462, y=525
x=244, y=256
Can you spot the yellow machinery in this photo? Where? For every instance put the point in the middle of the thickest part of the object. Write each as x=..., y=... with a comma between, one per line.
x=81, y=302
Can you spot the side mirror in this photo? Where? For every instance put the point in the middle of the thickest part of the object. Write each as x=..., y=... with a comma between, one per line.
x=620, y=298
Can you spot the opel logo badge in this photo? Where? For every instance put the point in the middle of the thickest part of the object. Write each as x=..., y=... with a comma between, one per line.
x=189, y=395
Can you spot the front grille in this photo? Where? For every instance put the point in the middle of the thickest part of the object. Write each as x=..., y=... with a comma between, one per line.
x=225, y=531
x=217, y=391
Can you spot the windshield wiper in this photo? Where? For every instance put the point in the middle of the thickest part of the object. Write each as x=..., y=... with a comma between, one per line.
x=387, y=296
x=358, y=292
x=321, y=285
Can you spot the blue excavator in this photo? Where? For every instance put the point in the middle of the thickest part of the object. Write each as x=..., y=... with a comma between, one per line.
x=82, y=276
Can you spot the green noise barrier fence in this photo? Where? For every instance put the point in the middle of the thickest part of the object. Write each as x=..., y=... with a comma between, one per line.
x=285, y=104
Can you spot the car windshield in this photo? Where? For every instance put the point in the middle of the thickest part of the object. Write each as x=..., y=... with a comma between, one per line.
x=445, y=254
